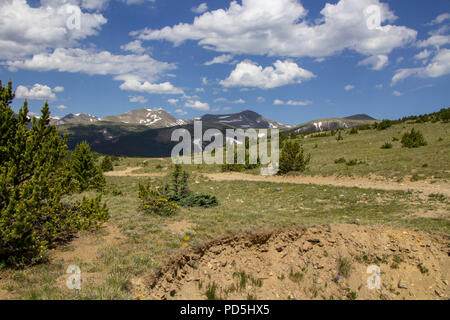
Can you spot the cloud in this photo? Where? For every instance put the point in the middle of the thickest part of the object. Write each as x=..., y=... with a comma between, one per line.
x=37, y=92
x=349, y=87
x=199, y=90
x=278, y=102
x=221, y=100
x=201, y=8
x=397, y=93
x=197, y=105
x=138, y=99
x=133, y=46
x=26, y=30
x=281, y=28
x=438, y=66
x=180, y=112
x=239, y=101
x=58, y=89
x=204, y=81
x=249, y=74
x=377, y=62
x=60, y=107
x=173, y=101
x=425, y=54
x=220, y=59
x=136, y=71
x=152, y=88
x=435, y=41
x=260, y=99
x=440, y=19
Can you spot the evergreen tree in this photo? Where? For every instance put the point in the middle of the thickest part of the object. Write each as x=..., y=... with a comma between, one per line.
x=107, y=164
x=85, y=173
x=293, y=158
x=33, y=180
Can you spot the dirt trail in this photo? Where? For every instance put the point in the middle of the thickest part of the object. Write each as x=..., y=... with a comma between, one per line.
x=309, y=263
x=128, y=172
x=359, y=182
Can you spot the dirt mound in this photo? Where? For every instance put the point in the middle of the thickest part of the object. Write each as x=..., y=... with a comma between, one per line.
x=324, y=262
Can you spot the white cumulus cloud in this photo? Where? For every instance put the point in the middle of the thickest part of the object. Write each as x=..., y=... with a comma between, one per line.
x=249, y=74
x=282, y=28
x=37, y=92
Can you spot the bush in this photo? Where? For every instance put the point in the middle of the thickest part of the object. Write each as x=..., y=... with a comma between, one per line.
x=413, y=139
x=86, y=175
x=198, y=200
x=340, y=160
x=165, y=200
x=107, y=164
x=387, y=145
x=352, y=162
x=34, y=176
x=383, y=125
x=340, y=137
x=154, y=201
x=293, y=157
x=354, y=131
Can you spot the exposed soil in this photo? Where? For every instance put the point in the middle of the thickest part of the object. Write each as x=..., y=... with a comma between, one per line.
x=86, y=249
x=300, y=263
x=128, y=172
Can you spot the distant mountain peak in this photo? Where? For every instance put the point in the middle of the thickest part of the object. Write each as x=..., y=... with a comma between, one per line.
x=153, y=118
x=360, y=117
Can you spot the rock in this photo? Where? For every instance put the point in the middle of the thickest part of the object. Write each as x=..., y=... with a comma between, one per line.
x=278, y=189
x=313, y=240
x=172, y=293
x=402, y=285
x=306, y=247
x=444, y=281
x=224, y=264
x=438, y=293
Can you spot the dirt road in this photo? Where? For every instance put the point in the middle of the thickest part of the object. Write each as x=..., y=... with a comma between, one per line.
x=352, y=182
x=359, y=182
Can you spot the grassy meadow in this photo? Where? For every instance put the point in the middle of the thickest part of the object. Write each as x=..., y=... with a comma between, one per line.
x=143, y=241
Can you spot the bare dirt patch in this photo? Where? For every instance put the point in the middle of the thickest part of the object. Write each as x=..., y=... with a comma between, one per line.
x=179, y=227
x=86, y=250
x=315, y=263
x=128, y=172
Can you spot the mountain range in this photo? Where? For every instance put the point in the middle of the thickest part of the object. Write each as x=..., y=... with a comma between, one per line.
x=147, y=132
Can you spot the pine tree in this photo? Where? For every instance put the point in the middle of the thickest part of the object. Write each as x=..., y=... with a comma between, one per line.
x=84, y=171
x=107, y=164
x=33, y=180
x=293, y=158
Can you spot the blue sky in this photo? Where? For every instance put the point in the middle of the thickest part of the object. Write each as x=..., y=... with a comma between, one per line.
x=292, y=61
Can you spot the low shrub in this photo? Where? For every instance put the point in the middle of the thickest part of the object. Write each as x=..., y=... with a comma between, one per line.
x=198, y=200
x=413, y=139
x=153, y=201
x=340, y=160
x=387, y=145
